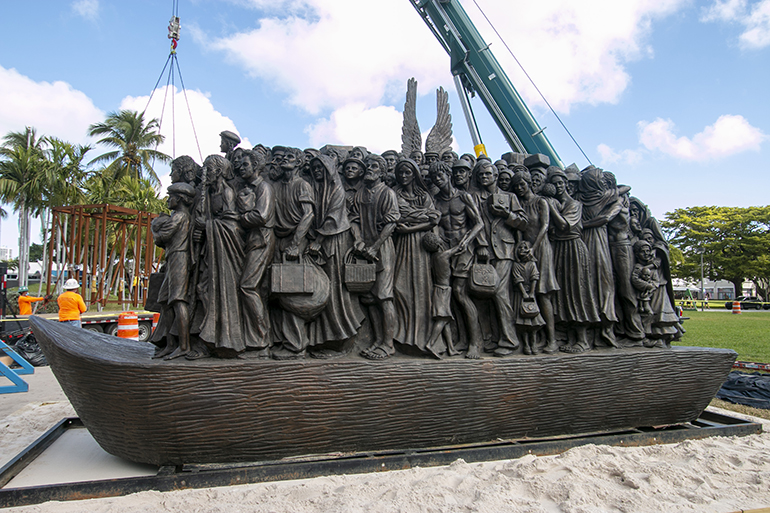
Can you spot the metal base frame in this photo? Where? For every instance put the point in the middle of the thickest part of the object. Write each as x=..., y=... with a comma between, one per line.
x=19, y=385
x=206, y=476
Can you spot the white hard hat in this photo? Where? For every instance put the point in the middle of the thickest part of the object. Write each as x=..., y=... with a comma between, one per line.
x=71, y=284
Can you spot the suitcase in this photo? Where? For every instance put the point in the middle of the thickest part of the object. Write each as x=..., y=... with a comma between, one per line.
x=292, y=278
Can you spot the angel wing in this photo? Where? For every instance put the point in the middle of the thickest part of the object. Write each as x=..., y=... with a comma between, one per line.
x=439, y=139
x=411, y=139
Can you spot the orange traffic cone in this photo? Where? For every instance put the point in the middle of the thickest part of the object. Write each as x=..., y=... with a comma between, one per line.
x=128, y=325
x=736, y=307
x=155, y=319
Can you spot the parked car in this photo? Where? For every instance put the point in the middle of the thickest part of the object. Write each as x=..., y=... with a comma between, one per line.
x=748, y=303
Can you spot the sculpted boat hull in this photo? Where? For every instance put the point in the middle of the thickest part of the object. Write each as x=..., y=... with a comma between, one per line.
x=217, y=410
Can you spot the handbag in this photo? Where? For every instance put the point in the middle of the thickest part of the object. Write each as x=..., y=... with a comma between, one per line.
x=529, y=308
x=484, y=279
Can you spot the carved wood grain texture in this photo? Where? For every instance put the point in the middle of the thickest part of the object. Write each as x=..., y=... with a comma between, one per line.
x=213, y=410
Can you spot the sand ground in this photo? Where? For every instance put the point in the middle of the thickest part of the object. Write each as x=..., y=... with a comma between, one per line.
x=718, y=474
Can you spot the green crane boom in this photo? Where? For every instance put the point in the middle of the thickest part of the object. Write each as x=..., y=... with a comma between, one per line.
x=477, y=71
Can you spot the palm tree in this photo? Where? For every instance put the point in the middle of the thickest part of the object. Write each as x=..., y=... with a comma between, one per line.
x=63, y=178
x=22, y=184
x=66, y=172
x=140, y=195
x=134, y=141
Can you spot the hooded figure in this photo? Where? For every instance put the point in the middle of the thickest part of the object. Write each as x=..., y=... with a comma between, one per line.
x=600, y=205
x=332, y=239
x=413, y=285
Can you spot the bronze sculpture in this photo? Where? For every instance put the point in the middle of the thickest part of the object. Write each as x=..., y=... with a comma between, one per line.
x=288, y=258
x=308, y=215
x=465, y=256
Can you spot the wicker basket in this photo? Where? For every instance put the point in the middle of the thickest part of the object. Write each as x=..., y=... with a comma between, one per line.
x=359, y=277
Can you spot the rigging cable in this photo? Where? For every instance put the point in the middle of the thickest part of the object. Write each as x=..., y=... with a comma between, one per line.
x=531, y=81
x=173, y=34
x=189, y=112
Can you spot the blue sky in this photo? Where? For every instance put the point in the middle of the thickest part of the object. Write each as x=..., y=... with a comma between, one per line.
x=671, y=95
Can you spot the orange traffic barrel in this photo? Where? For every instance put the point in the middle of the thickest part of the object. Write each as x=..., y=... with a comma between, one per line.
x=736, y=307
x=155, y=319
x=128, y=325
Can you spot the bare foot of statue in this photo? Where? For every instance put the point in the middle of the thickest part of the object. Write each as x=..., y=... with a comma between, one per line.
x=474, y=353
x=577, y=348
x=162, y=352
x=178, y=352
x=197, y=353
x=551, y=348
x=432, y=351
x=263, y=353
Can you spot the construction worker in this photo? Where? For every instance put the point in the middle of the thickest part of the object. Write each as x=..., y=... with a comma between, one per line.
x=71, y=304
x=25, y=301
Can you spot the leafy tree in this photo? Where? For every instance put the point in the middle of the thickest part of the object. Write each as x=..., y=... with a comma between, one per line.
x=35, y=252
x=134, y=141
x=22, y=183
x=735, y=242
x=66, y=172
x=140, y=195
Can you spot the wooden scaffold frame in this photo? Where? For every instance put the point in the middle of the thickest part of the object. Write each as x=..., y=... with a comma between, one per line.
x=91, y=243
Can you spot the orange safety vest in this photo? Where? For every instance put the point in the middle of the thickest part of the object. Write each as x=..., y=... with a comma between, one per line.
x=71, y=305
x=25, y=304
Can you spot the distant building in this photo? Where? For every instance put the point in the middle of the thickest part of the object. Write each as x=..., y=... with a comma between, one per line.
x=5, y=253
x=721, y=289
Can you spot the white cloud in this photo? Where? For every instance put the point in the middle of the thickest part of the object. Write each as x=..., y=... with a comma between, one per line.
x=610, y=156
x=724, y=10
x=329, y=54
x=88, y=9
x=727, y=136
x=180, y=138
x=754, y=16
x=54, y=109
x=377, y=129
x=591, y=40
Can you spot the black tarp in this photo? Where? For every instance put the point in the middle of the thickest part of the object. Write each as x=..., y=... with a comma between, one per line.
x=747, y=389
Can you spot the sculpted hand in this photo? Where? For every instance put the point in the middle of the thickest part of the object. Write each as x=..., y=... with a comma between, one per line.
x=292, y=252
x=499, y=210
x=314, y=248
x=370, y=254
x=482, y=252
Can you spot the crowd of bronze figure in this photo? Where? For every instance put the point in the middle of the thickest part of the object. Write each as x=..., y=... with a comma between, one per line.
x=279, y=252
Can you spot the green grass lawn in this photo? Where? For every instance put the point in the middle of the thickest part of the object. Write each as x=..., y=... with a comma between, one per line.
x=748, y=333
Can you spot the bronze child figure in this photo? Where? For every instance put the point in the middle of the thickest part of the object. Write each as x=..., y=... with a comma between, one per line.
x=172, y=232
x=525, y=277
x=441, y=332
